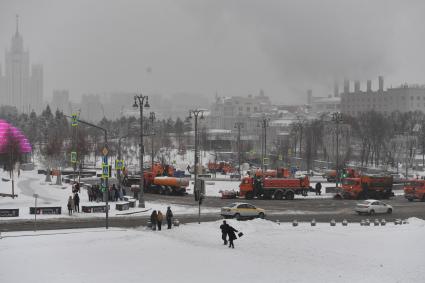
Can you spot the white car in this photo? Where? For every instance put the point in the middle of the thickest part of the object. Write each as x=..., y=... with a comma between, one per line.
x=372, y=206
x=241, y=210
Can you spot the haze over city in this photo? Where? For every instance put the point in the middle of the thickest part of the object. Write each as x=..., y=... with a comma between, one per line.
x=224, y=47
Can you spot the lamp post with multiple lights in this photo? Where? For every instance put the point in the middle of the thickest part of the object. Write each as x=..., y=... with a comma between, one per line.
x=195, y=114
x=141, y=101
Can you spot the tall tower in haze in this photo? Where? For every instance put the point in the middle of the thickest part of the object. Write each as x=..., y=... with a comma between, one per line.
x=19, y=87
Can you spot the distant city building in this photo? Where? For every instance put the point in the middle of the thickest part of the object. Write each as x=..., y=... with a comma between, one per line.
x=19, y=87
x=226, y=110
x=404, y=99
x=92, y=109
x=60, y=101
x=320, y=105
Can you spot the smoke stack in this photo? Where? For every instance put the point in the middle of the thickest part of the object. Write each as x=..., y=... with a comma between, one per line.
x=381, y=84
x=356, y=86
x=309, y=97
x=336, y=89
x=346, y=86
x=369, y=85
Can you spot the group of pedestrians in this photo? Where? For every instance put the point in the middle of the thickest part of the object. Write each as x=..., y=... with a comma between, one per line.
x=157, y=218
x=228, y=232
x=73, y=203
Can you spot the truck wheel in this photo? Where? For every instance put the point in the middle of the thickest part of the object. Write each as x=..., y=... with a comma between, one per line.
x=278, y=195
x=289, y=195
x=261, y=215
x=410, y=199
x=389, y=211
x=237, y=216
x=372, y=212
x=249, y=195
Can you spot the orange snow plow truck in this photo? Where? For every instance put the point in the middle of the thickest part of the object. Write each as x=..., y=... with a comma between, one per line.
x=276, y=188
x=415, y=189
x=365, y=187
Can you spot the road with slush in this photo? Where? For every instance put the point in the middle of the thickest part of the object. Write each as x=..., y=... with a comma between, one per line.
x=303, y=210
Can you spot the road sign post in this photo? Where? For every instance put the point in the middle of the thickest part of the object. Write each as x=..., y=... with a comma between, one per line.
x=35, y=211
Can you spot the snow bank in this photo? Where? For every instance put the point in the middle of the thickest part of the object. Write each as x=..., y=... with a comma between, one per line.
x=266, y=253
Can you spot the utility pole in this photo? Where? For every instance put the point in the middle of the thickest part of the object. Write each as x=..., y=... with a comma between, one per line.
x=105, y=161
x=152, y=118
x=264, y=124
x=337, y=118
x=141, y=101
x=197, y=191
x=239, y=125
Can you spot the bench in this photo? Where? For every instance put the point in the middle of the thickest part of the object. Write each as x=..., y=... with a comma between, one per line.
x=14, y=212
x=46, y=210
x=94, y=208
x=131, y=200
x=122, y=206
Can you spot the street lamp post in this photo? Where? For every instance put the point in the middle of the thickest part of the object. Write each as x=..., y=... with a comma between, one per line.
x=197, y=192
x=239, y=125
x=264, y=124
x=152, y=118
x=337, y=118
x=141, y=101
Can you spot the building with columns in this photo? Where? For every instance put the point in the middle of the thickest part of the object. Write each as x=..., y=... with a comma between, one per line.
x=21, y=86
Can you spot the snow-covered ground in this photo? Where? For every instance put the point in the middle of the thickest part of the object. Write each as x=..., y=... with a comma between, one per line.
x=50, y=194
x=30, y=183
x=267, y=252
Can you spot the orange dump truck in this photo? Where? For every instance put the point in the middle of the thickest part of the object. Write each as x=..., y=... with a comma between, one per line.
x=159, y=185
x=415, y=189
x=273, y=173
x=276, y=188
x=366, y=186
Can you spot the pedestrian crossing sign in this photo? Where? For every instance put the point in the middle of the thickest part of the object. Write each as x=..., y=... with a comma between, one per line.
x=74, y=122
x=280, y=157
x=119, y=164
x=105, y=171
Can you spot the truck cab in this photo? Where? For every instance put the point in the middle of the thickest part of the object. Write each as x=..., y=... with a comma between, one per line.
x=366, y=186
x=414, y=189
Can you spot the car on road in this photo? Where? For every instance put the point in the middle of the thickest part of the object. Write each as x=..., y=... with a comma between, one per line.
x=241, y=210
x=372, y=206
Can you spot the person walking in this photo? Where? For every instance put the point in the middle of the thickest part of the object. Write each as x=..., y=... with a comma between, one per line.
x=153, y=219
x=231, y=232
x=318, y=188
x=169, y=217
x=159, y=218
x=77, y=202
x=224, y=227
x=70, y=205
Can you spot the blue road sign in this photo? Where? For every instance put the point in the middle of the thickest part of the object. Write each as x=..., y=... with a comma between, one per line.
x=104, y=160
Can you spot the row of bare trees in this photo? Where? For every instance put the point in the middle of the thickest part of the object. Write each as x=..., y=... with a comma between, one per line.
x=372, y=139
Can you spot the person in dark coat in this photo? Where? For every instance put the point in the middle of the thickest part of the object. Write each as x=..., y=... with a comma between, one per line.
x=318, y=188
x=224, y=227
x=159, y=218
x=231, y=232
x=76, y=202
x=169, y=217
x=153, y=219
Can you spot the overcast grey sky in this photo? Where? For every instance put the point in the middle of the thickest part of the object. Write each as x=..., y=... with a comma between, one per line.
x=229, y=47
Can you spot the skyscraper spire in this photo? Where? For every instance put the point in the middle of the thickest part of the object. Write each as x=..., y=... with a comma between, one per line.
x=17, y=23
